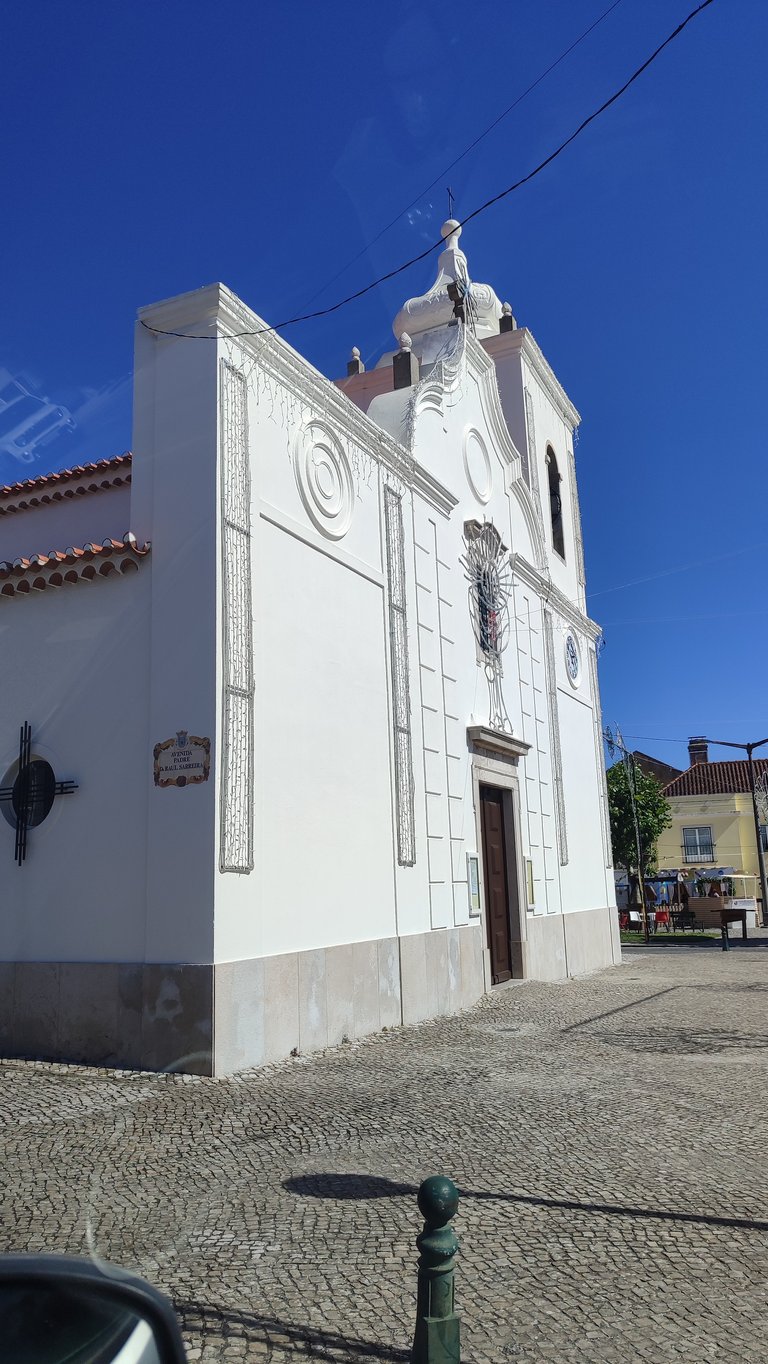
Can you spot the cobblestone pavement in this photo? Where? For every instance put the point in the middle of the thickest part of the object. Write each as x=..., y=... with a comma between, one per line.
x=609, y=1135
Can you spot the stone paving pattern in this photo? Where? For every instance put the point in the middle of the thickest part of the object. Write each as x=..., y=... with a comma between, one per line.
x=609, y=1135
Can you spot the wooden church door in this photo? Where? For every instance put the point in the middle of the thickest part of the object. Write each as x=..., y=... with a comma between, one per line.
x=497, y=906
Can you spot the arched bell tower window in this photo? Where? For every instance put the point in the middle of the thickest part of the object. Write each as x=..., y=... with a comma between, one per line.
x=555, y=503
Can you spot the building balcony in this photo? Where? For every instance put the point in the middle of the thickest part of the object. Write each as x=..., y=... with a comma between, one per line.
x=704, y=853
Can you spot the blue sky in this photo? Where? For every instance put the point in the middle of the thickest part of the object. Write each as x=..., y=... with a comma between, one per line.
x=150, y=148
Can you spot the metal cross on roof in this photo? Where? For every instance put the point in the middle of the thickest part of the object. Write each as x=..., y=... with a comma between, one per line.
x=33, y=792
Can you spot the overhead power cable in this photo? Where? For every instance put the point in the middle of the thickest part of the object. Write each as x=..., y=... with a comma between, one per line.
x=495, y=199
x=480, y=138
x=679, y=568
x=657, y=739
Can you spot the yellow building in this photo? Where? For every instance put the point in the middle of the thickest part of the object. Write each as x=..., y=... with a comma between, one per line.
x=713, y=824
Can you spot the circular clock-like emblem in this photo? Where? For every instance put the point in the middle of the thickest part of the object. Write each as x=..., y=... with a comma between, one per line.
x=572, y=660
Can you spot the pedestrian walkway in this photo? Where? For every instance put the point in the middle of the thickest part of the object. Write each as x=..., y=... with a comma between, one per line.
x=609, y=1136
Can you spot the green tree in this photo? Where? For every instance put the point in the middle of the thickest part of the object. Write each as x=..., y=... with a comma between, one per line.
x=652, y=814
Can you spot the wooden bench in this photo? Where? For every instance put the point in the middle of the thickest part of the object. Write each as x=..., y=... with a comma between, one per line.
x=685, y=918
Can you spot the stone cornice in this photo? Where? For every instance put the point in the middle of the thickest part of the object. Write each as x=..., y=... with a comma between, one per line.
x=721, y=805
x=494, y=741
x=552, y=596
x=522, y=342
x=216, y=312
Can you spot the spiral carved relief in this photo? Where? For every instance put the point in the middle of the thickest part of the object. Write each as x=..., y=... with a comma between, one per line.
x=324, y=479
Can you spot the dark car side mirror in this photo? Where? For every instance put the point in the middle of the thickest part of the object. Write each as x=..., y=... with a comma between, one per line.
x=57, y=1309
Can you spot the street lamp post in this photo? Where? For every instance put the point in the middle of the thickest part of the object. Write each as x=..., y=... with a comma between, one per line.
x=616, y=743
x=749, y=750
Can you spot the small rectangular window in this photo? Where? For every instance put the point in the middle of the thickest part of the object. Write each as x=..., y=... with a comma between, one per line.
x=698, y=845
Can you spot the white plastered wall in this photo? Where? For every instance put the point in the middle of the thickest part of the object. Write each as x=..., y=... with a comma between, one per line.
x=174, y=505
x=74, y=662
x=453, y=687
x=325, y=860
x=79, y=520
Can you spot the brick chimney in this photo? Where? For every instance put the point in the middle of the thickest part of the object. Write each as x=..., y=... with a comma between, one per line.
x=698, y=751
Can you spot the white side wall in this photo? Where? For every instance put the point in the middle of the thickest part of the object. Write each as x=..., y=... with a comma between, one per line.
x=174, y=505
x=90, y=518
x=326, y=869
x=74, y=662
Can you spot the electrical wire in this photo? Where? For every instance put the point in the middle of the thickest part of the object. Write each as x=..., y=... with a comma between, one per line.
x=481, y=136
x=495, y=199
x=654, y=739
x=682, y=568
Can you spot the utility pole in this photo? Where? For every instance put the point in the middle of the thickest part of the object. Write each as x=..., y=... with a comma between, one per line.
x=749, y=750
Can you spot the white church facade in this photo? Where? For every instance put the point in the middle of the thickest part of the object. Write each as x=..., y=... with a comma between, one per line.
x=301, y=735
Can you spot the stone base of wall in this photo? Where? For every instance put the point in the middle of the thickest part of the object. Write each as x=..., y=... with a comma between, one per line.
x=146, y=1017
x=557, y=945
x=268, y=1007
x=209, y=1020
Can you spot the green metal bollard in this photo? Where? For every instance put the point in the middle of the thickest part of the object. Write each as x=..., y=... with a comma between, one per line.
x=436, y=1338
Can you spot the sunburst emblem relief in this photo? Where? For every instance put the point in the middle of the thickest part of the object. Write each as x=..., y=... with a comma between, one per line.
x=486, y=566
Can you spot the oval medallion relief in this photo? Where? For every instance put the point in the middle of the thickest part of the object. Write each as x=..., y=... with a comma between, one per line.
x=477, y=466
x=324, y=479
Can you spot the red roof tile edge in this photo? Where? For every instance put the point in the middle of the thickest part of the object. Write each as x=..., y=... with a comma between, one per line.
x=727, y=778
x=75, y=564
x=45, y=482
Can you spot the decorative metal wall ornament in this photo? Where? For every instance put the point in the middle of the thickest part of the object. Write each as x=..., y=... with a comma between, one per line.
x=32, y=794
x=401, y=687
x=486, y=566
x=236, y=840
x=554, y=733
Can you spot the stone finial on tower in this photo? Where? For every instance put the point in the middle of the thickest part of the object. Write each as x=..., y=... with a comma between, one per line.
x=507, y=323
x=450, y=233
x=405, y=366
x=355, y=364
x=443, y=302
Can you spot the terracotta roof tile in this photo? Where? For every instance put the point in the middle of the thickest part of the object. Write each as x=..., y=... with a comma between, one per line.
x=75, y=564
x=46, y=488
x=715, y=779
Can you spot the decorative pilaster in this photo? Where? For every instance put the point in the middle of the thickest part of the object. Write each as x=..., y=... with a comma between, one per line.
x=597, y=721
x=401, y=678
x=236, y=794
x=554, y=735
x=576, y=516
x=530, y=471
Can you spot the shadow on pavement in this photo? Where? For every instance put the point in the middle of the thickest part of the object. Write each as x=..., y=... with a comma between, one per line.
x=206, y=1319
x=677, y=1041
x=375, y=1186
